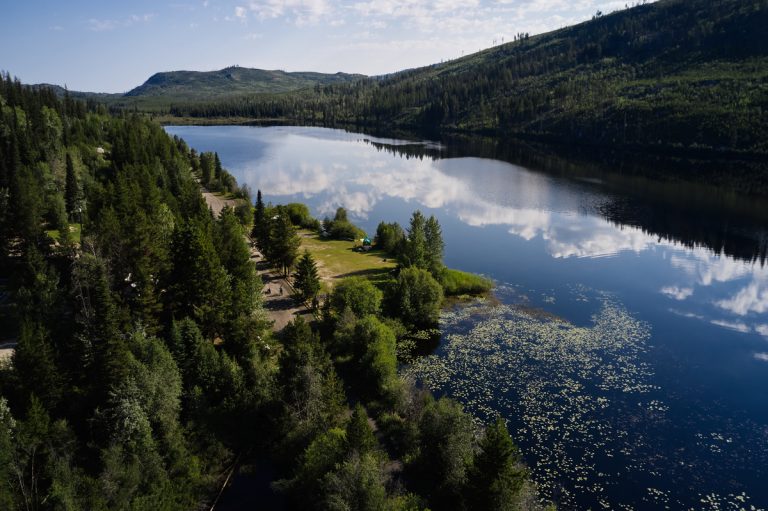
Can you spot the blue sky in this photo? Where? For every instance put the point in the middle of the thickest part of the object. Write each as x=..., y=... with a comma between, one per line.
x=109, y=46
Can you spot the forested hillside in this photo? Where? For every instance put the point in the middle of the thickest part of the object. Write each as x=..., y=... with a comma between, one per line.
x=231, y=80
x=167, y=88
x=676, y=73
x=115, y=397
x=144, y=366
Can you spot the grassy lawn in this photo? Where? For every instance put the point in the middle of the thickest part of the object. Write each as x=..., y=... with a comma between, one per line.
x=228, y=196
x=74, y=233
x=338, y=259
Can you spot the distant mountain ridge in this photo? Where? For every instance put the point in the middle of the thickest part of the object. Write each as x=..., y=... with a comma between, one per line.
x=232, y=80
x=212, y=85
x=61, y=91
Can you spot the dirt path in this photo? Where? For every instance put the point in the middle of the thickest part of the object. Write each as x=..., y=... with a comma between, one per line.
x=6, y=351
x=217, y=203
x=281, y=308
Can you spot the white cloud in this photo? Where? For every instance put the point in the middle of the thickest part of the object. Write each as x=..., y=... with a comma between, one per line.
x=677, y=293
x=97, y=25
x=300, y=12
x=732, y=325
x=709, y=268
x=752, y=298
x=762, y=330
x=101, y=25
x=527, y=223
x=690, y=315
x=134, y=18
x=570, y=238
x=240, y=12
x=761, y=356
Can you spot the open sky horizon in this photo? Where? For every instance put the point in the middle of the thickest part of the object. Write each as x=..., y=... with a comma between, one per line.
x=114, y=47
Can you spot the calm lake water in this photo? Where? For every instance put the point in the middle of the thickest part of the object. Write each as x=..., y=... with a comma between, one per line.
x=629, y=351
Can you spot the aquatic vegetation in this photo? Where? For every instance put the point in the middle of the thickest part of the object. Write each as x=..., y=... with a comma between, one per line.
x=580, y=400
x=555, y=377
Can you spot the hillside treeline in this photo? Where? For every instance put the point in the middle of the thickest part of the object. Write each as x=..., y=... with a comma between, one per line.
x=687, y=74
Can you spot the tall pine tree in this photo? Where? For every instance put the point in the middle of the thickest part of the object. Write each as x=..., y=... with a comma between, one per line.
x=306, y=279
x=260, y=231
x=414, y=248
x=284, y=243
x=216, y=166
x=496, y=476
x=433, y=238
x=71, y=192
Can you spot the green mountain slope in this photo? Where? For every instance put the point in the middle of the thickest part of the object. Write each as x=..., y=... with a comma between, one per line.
x=62, y=92
x=231, y=80
x=680, y=73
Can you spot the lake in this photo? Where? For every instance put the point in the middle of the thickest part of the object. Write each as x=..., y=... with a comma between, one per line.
x=629, y=347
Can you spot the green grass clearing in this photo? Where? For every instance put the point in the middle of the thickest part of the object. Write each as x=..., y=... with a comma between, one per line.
x=74, y=233
x=338, y=259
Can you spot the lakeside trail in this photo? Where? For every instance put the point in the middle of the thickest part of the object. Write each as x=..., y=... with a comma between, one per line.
x=281, y=308
x=217, y=203
x=6, y=351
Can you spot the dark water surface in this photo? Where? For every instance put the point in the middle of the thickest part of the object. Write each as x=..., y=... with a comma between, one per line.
x=630, y=349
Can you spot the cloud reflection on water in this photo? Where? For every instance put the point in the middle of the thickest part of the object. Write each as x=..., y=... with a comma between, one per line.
x=482, y=193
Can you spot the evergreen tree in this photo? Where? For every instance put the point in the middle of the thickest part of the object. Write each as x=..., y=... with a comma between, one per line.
x=101, y=350
x=7, y=447
x=72, y=191
x=216, y=167
x=413, y=251
x=496, y=476
x=359, y=433
x=323, y=455
x=306, y=279
x=260, y=232
x=389, y=237
x=284, y=244
x=312, y=395
x=5, y=226
x=357, y=484
x=198, y=284
x=373, y=344
x=35, y=366
x=445, y=452
x=434, y=245
x=341, y=215
x=236, y=259
x=206, y=169
x=31, y=452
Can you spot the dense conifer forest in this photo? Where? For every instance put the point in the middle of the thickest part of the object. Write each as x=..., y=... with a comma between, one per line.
x=685, y=74
x=145, y=367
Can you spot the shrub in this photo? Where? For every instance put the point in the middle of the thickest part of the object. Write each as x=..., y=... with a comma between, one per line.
x=358, y=295
x=457, y=283
x=416, y=297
